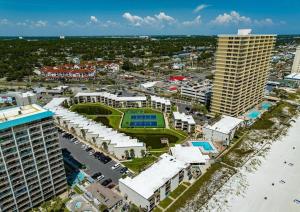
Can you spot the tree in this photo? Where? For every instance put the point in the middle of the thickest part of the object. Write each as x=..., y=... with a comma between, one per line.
x=200, y=108
x=105, y=146
x=132, y=153
x=46, y=205
x=143, y=153
x=83, y=133
x=127, y=154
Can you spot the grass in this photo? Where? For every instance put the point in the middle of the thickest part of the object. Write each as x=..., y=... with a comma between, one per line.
x=157, y=210
x=181, y=188
x=112, y=117
x=77, y=190
x=262, y=124
x=166, y=202
x=127, y=119
x=138, y=164
x=94, y=109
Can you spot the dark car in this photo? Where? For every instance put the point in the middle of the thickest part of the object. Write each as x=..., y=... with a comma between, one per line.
x=94, y=176
x=106, y=182
x=123, y=170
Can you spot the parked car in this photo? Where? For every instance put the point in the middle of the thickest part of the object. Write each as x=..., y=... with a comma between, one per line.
x=100, y=177
x=106, y=182
x=117, y=165
x=96, y=175
x=123, y=170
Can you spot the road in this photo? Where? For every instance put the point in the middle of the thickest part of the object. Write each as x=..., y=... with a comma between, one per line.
x=93, y=165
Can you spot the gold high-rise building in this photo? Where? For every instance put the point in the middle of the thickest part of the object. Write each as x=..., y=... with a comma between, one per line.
x=242, y=65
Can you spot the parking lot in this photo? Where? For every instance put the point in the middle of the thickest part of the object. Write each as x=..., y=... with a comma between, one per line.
x=93, y=164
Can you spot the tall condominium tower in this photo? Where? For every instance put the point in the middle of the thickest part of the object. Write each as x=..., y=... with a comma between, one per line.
x=31, y=165
x=242, y=64
x=296, y=63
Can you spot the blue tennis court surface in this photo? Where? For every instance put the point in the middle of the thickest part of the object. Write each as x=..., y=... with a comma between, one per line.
x=143, y=124
x=135, y=117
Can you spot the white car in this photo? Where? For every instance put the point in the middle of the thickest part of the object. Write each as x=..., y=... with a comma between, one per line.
x=100, y=177
x=117, y=165
x=83, y=146
x=76, y=142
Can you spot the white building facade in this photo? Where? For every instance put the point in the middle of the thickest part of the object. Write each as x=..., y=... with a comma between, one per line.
x=222, y=131
x=200, y=92
x=155, y=183
x=111, y=99
x=97, y=134
x=161, y=104
x=184, y=122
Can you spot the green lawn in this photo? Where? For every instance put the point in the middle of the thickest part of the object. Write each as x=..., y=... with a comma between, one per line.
x=77, y=190
x=166, y=202
x=94, y=109
x=138, y=164
x=129, y=115
x=157, y=210
x=181, y=188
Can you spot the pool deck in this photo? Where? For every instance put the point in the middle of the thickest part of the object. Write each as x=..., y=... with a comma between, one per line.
x=213, y=151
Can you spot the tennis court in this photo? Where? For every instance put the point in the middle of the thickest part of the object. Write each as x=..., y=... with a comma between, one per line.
x=137, y=119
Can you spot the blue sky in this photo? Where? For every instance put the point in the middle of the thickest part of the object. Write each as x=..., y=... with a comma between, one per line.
x=144, y=17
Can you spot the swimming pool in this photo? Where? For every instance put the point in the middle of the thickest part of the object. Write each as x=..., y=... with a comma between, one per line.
x=254, y=114
x=204, y=144
x=265, y=105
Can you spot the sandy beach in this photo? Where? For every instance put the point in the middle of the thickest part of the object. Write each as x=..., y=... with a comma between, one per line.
x=274, y=184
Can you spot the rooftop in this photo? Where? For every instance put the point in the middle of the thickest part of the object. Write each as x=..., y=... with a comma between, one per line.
x=226, y=124
x=113, y=96
x=189, y=154
x=184, y=117
x=293, y=76
x=161, y=100
x=148, y=181
x=104, y=195
x=20, y=115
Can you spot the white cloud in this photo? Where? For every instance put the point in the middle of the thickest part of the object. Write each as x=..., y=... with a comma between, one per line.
x=196, y=21
x=4, y=21
x=39, y=23
x=93, y=19
x=164, y=17
x=264, y=22
x=232, y=17
x=66, y=23
x=200, y=7
x=133, y=19
x=156, y=20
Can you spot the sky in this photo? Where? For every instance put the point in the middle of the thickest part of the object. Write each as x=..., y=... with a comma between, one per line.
x=147, y=17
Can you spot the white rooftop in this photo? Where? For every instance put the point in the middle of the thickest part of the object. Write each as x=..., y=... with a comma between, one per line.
x=19, y=112
x=294, y=76
x=226, y=124
x=113, y=96
x=112, y=136
x=161, y=100
x=244, y=31
x=189, y=154
x=149, y=84
x=148, y=181
x=183, y=117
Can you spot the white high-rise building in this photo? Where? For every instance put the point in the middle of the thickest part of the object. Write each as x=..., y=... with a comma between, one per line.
x=31, y=164
x=296, y=63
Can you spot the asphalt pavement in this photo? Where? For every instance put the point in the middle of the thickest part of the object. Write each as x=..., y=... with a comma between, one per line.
x=93, y=164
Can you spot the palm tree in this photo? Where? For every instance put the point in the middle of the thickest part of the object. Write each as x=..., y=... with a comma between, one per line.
x=126, y=154
x=105, y=146
x=83, y=133
x=132, y=154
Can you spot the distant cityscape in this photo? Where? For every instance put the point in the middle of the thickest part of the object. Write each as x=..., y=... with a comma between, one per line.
x=149, y=123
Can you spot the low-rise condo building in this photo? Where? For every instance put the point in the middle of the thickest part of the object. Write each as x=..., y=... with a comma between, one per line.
x=112, y=99
x=184, y=122
x=97, y=134
x=222, y=131
x=199, y=92
x=155, y=183
x=161, y=104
